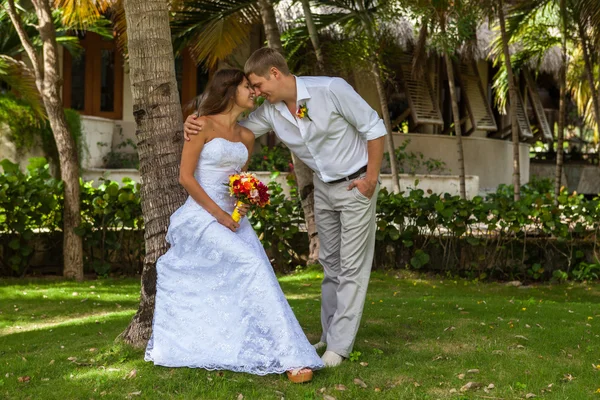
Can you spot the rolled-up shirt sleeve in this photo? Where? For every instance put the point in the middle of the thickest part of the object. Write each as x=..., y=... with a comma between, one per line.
x=356, y=110
x=258, y=121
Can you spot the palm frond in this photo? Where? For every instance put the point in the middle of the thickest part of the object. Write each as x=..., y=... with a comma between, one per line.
x=21, y=80
x=82, y=13
x=212, y=29
x=590, y=9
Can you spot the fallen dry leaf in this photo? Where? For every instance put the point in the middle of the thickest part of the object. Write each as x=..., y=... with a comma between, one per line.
x=470, y=386
x=452, y=391
x=360, y=383
x=51, y=362
x=450, y=328
x=530, y=396
x=132, y=374
x=377, y=389
x=521, y=337
x=24, y=378
x=93, y=349
x=322, y=390
x=340, y=387
x=364, y=364
x=134, y=393
x=240, y=396
x=473, y=371
x=461, y=376
x=328, y=397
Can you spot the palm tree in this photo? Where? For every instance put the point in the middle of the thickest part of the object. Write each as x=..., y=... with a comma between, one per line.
x=313, y=34
x=584, y=19
x=158, y=118
x=361, y=22
x=531, y=25
x=563, y=101
x=45, y=65
x=303, y=174
x=450, y=24
x=513, y=103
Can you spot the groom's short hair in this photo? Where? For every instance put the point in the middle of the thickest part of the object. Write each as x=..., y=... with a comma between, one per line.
x=263, y=59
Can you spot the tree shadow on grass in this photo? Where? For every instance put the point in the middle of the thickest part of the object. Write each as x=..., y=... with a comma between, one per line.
x=80, y=358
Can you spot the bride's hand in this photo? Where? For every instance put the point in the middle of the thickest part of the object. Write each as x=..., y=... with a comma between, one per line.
x=243, y=209
x=225, y=219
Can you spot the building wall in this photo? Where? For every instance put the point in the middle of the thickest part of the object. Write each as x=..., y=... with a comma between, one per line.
x=489, y=159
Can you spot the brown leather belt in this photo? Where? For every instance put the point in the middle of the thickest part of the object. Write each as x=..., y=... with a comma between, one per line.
x=351, y=176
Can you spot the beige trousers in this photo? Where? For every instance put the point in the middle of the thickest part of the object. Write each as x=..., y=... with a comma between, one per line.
x=346, y=225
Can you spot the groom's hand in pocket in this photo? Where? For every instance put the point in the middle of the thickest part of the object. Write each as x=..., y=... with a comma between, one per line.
x=193, y=125
x=365, y=186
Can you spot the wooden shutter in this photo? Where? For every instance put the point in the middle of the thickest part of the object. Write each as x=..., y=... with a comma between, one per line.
x=479, y=109
x=538, y=108
x=421, y=98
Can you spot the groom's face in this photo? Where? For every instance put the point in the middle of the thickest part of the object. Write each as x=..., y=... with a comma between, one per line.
x=266, y=86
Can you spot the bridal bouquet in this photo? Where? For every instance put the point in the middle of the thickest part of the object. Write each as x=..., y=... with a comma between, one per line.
x=248, y=190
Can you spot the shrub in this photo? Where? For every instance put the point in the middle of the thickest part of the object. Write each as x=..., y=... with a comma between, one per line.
x=276, y=158
x=494, y=237
x=27, y=129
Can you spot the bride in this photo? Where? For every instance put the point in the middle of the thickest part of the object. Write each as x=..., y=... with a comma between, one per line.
x=219, y=305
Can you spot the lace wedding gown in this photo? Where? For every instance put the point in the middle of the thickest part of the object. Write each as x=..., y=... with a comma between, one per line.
x=219, y=305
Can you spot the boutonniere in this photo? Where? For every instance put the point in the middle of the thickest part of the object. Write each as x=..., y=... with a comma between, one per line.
x=303, y=112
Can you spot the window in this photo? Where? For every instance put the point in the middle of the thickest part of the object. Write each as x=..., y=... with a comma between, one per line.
x=191, y=81
x=93, y=80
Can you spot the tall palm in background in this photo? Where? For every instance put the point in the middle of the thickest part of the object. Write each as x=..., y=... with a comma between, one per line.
x=365, y=23
x=449, y=25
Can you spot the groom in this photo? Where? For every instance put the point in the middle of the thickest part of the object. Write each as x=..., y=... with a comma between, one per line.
x=341, y=138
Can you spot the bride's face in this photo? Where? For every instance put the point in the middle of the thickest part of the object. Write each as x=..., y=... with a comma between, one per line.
x=245, y=95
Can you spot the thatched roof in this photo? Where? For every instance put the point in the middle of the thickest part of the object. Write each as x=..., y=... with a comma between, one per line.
x=405, y=32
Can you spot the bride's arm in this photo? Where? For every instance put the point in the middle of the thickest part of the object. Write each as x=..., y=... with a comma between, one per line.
x=189, y=161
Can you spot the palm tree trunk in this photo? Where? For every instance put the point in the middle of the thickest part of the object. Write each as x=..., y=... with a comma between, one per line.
x=48, y=81
x=158, y=118
x=389, y=139
x=512, y=90
x=376, y=73
x=313, y=34
x=456, y=117
x=303, y=174
x=457, y=128
x=562, y=105
x=589, y=70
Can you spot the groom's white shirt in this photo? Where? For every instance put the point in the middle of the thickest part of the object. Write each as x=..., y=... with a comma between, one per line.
x=332, y=139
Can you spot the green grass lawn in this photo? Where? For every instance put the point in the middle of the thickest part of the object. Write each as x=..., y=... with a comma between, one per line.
x=421, y=338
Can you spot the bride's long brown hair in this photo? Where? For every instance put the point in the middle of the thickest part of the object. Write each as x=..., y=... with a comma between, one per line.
x=220, y=92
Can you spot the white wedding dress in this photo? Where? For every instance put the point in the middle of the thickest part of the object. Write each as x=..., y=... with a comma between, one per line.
x=219, y=305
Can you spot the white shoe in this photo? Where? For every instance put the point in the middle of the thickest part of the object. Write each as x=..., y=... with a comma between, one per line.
x=320, y=345
x=331, y=359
